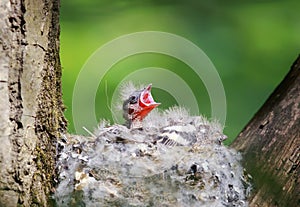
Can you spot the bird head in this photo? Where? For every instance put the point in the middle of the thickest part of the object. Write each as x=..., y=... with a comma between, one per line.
x=137, y=106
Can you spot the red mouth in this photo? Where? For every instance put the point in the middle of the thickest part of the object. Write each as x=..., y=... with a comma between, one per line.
x=146, y=100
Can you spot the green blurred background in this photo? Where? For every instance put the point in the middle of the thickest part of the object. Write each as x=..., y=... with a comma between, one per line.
x=251, y=43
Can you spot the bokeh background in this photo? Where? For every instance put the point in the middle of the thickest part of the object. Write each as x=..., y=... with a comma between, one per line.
x=251, y=43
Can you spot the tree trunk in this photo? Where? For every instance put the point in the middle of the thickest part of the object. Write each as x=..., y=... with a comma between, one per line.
x=30, y=100
x=270, y=144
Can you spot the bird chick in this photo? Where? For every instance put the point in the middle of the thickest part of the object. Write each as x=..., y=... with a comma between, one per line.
x=138, y=106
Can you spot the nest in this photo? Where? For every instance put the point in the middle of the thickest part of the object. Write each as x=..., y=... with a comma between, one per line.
x=175, y=160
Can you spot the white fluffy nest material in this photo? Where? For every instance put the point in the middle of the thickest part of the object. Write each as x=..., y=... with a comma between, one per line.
x=122, y=167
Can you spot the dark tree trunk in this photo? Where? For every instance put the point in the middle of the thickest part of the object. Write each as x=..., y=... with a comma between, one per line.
x=270, y=144
x=31, y=106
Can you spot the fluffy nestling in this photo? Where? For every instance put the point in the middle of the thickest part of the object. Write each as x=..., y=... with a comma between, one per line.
x=137, y=106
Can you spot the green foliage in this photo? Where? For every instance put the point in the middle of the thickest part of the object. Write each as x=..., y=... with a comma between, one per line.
x=251, y=43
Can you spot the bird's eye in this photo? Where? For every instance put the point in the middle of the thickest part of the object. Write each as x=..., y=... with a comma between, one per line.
x=133, y=99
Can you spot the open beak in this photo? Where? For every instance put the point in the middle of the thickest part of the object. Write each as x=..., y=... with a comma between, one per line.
x=146, y=100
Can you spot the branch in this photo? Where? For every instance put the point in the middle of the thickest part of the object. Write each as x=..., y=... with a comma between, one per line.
x=270, y=145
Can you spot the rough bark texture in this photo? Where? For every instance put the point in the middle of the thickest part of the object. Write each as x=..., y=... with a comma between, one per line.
x=30, y=100
x=271, y=145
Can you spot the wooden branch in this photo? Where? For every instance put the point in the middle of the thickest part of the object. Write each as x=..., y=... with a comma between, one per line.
x=270, y=144
x=31, y=117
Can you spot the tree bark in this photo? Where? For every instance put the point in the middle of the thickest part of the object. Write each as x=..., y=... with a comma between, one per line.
x=270, y=144
x=30, y=100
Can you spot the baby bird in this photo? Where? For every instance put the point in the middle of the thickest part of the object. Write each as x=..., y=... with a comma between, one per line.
x=174, y=127
x=137, y=107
